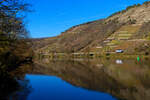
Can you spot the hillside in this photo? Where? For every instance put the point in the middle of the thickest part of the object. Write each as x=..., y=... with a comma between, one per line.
x=128, y=30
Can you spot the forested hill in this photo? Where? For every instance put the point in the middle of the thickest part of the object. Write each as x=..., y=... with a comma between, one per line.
x=128, y=30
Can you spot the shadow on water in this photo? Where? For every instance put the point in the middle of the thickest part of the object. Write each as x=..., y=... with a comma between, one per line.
x=125, y=79
x=13, y=86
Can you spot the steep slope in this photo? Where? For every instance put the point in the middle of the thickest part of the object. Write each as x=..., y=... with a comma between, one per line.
x=121, y=30
x=82, y=36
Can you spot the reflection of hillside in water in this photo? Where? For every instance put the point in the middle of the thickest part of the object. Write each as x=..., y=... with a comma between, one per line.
x=129, y=80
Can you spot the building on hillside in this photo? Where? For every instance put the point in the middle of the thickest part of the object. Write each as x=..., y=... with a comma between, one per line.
x=119, y=51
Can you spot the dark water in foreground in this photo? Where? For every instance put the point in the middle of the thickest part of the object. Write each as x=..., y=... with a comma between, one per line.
x=101, y=79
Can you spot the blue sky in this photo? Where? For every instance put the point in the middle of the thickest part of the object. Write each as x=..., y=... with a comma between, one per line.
x=51, y=17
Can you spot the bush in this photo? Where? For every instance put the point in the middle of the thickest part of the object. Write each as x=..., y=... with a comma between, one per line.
x=146, y=53
x=132, y=21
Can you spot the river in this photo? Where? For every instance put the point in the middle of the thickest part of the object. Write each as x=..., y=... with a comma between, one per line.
x=80, y=79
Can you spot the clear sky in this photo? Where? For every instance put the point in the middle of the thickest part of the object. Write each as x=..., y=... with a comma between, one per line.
x=51, y=17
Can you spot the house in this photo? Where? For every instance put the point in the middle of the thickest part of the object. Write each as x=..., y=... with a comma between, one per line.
x=119, y=51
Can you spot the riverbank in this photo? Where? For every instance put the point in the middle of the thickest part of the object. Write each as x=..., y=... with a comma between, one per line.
x=90, y=56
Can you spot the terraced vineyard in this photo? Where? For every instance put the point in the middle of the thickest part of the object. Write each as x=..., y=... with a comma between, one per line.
x=128, y=30
x=121, y=39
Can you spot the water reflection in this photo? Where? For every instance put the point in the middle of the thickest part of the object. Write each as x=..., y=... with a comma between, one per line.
x=53, y=88
x=118, y=61
x=13, y=87
x=128, y=80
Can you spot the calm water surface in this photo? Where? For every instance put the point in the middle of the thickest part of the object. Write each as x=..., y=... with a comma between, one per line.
x=101, y=79
x=53, y=88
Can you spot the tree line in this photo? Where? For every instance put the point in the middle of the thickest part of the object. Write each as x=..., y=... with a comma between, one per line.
x=14, y=42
